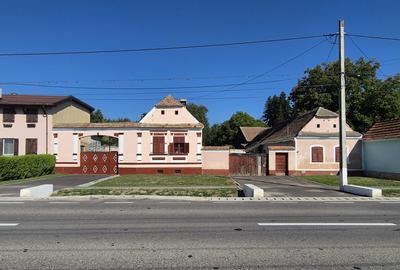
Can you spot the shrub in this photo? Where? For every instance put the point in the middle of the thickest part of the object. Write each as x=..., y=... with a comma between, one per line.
x=20, y=167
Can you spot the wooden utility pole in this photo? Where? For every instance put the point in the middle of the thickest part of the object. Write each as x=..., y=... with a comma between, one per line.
x=342, y=113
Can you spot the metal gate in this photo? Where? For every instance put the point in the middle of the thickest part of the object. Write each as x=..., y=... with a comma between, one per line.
x=99, y=162
x=247, y=164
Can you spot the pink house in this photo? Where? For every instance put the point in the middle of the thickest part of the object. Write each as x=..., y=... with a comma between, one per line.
x=26, y=121
x=307, y=145
x=168, y=139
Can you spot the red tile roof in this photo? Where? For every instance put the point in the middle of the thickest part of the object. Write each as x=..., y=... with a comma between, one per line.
x=37, y=100
x=384, y=130
x=169, y=102
x=250, y=133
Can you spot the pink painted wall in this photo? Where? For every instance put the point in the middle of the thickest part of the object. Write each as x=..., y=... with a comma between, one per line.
x=20, y=131
x=154, y=116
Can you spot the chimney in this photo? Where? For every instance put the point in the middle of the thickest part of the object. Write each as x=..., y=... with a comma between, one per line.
x=183, y=101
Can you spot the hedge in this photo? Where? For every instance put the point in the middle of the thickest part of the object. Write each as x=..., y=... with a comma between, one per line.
x=20, y=167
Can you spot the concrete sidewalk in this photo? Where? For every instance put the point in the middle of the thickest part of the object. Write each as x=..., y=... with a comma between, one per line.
x=287, y=186
x=59, y=182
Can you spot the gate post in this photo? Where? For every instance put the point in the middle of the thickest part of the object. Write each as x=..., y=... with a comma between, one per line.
x=259, y=169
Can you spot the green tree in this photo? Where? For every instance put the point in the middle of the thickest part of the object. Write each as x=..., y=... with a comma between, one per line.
x=368, y=99
x=277, y=110
x=224, y=133
x=98, y=117
x=200, y=113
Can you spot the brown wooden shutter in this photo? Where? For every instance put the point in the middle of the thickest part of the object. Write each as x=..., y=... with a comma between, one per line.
x=337, y=154
x=317, y=154
x=31, y=115
x=15, y=147
x=31, y=146
x=179, y=139
x=8, y=115
x=171, y=148
x=1, y=146
x=186, y=148
x=158, y=145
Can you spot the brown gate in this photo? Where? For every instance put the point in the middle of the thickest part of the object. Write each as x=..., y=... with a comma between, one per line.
x=247, y=164
x=99, y=162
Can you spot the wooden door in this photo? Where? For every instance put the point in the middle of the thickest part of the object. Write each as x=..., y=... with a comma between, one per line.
x=281, y=163
x=99, y=162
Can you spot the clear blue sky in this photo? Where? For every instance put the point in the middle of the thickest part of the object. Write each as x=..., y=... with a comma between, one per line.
x=27, y=26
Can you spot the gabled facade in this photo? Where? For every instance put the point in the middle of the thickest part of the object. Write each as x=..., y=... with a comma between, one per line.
x=307, y=145
x=381, y=146
x=245, y=135
x=168, y=140
x=26, y=121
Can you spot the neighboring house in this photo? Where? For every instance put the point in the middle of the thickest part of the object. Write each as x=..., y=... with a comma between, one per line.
x=381, y=145
x=167, y=140
x=307, y=145
x=246, y=135
x=26, y=121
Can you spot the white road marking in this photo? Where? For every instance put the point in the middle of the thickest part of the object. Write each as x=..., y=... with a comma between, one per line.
x=11, y=202
x=338, y=202
x=63, y=202
x=118, y=202
x=389, y=202
x=326, y=224
x=174, y=202
x=281, y=202
x=8, y=224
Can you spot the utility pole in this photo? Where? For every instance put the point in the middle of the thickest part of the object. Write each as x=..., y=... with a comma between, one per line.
x=342, y=108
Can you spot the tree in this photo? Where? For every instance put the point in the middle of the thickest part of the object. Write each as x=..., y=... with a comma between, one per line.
x=98, y=117
x=224, y=133
x=368, y=98
x=200, y=113
x=277, y=110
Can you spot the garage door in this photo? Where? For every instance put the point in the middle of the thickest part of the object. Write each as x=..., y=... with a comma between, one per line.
x=281, y=163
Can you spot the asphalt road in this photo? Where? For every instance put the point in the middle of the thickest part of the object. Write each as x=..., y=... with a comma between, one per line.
x=150, y=234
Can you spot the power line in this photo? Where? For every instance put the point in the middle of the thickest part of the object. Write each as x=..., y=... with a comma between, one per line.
x=274, y=68
x=131, y=50
x=374, y=37
x=135, y=88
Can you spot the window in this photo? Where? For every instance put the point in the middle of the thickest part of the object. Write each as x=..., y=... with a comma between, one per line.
x=318, y=125
x=162, y=112
x=176, y=112
x=178, y=171
x=9, y=147
x=31, y=115
x=8, y=115
x=179, y=146
x=158, y=145
x=337, y=154
x=334, y=125
x=31, y=146
x=317, y=154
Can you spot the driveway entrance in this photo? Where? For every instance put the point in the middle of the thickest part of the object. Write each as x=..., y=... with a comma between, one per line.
x=287, y=186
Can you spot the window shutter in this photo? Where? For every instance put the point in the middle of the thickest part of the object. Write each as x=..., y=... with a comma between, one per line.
x=179, y=139
x=158, y=145
x=337, y=154
x=317, y=154
x=15, y=147
x=31, y=115
x=34, y=146
x=186, y=148
x=171, y=148
x=1, y=146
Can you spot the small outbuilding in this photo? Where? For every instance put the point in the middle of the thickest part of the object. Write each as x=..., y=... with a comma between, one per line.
x=381, y=145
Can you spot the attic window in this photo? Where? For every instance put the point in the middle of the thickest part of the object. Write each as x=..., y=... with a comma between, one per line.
x=334, y=125
x=318, y=125
x=162, y=112
x=176, y=112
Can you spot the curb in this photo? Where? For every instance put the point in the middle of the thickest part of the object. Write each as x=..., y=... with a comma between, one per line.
x=97, y=181
x=220, y=199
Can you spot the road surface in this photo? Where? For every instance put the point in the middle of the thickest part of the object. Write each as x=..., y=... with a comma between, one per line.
x=151, y=234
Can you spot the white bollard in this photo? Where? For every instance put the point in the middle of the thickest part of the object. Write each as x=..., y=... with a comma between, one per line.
x=250, y=190
x=42, y=191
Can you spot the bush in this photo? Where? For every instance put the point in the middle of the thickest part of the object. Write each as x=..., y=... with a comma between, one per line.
x=20, y=167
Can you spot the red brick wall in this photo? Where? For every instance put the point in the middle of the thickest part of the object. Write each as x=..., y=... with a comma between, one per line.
x=155, y=170
x=216, y=172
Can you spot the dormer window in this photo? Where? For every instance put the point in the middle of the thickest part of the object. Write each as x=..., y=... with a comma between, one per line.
x=318, y=125
x=162, y=112
x=176, y=112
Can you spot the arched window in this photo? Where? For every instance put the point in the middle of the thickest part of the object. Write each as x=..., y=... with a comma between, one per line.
x=317, y=154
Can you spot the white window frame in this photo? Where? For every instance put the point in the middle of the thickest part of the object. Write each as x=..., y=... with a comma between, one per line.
x=4, y=147
x=323, y=153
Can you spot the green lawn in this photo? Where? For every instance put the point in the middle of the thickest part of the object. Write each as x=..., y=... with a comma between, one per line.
x=28, y=180
x=161, y=180
x=212, y=192
x=333, y=180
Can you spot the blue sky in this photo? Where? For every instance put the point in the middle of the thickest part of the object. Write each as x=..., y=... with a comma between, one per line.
x=27, y=26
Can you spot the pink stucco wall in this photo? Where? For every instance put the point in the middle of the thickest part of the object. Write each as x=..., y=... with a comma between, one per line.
x=20, y=131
